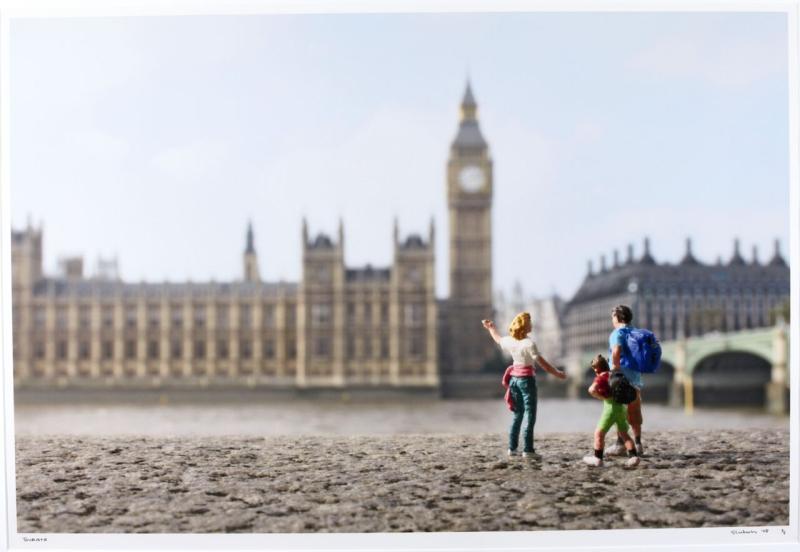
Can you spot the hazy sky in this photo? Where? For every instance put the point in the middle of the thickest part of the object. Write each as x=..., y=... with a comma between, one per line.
x=155, y=139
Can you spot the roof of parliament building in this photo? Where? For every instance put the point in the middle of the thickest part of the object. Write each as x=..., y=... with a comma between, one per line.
x=90, y=287
x=110, y=285
x=645, y=274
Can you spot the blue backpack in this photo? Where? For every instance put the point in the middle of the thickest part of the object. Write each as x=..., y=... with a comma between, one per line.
x=642, y=351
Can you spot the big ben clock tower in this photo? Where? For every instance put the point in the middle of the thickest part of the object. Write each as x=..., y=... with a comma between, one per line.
x=469, y=199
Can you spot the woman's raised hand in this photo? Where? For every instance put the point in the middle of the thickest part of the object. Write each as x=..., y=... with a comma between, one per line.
x=488, y=324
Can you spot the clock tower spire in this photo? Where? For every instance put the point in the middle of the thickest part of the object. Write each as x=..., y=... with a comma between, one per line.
x=469, y=199
x=469, y=108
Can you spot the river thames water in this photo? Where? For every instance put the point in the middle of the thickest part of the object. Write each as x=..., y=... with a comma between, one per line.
x=334, y=417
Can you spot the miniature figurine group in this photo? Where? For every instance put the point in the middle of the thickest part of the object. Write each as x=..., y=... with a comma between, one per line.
x=521, y=391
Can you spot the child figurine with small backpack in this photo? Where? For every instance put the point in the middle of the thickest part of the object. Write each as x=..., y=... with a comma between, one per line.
x=607, y=387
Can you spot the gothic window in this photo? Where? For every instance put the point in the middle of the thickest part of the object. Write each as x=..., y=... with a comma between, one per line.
x=269, y=316
x=153, y=349
x=291, y=350
x=367, y=314
x=130, y=316
x=320, y=314
x=61, y=350
x=222, y=316
x=176, y=316
x=38, y=350
x=322, y=346
x=108, y=350
x=108, y=317
x=323, y=274
x=199, y=316
x=200, y=349
x=246, y=349
x=222, y=348
x=269, y=348
x=245, y=316
x=417, y=346
x=176, y=349
x=384, y=347
x=414, y=275
x=39, y=316
x=471, y=222
x=83, y=350
x=153, y=315
x=414, y=314
x=350, y=348
x=130, y=349
x=61, y=317
x=384, y=313
x=291, y=314
x=84, y=317
x=367, y=347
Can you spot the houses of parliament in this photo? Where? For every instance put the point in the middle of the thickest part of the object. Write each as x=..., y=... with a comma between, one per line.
x=338, y=327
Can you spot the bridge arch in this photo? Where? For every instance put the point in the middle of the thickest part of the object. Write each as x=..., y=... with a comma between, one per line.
x=731, y=377
x=658, y=385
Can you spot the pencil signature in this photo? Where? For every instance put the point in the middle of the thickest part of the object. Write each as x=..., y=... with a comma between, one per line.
x=753, y=531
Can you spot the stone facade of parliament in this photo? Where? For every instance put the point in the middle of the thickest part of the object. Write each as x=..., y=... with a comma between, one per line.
x=339, y=327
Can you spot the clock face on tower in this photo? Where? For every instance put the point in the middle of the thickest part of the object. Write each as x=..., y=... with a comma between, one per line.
x=471, y=178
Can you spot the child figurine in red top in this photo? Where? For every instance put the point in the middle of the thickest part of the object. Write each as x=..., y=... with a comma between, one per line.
x=614, y=413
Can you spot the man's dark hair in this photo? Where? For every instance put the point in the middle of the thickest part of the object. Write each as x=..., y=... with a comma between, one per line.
x=623, y=313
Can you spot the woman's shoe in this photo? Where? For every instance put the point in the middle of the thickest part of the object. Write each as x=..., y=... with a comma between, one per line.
x=533, y=455
x=512, y=452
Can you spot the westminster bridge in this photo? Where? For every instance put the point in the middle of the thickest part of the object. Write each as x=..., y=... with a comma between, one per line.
x=749, y=368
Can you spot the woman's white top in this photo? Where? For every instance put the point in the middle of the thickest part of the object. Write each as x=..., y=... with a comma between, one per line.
x=522, y=351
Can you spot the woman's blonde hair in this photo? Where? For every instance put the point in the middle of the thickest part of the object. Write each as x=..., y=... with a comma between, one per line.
x=520, y=326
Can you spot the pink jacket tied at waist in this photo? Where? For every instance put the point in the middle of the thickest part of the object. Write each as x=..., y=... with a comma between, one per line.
x=519, y=371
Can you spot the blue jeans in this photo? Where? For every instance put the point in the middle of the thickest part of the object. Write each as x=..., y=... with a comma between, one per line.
x=523, y=393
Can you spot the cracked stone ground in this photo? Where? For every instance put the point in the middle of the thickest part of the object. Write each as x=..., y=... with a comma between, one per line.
x=401, y=483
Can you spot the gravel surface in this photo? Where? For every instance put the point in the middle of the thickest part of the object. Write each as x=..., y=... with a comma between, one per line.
x=69, y=484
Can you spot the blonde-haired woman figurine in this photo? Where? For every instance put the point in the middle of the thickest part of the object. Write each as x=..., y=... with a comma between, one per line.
x=520, y=378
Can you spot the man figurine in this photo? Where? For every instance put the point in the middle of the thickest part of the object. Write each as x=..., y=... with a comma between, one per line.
x=621, y=318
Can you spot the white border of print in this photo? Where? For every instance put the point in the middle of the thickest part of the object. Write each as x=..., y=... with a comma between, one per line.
x=713, y=539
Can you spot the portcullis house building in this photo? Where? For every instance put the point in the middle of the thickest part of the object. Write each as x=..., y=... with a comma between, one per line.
x=688, y=301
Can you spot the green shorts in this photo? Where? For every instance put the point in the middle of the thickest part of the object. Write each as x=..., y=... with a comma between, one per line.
x=613, y=413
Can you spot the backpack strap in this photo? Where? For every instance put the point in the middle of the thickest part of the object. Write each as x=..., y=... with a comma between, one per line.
x=625, y=332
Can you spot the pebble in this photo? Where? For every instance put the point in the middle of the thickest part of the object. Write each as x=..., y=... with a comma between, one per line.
x=435, y=483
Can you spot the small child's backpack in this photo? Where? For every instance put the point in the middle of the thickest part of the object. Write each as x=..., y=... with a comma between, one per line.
x=621, y=389
x=642, y=351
